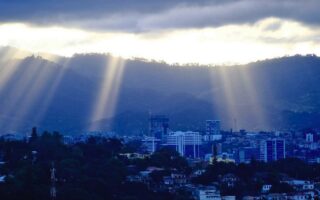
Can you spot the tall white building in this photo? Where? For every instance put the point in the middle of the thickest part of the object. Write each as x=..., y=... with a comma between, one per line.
x=186, y=143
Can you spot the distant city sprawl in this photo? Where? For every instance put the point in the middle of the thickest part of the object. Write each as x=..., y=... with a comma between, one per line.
x=164, y=164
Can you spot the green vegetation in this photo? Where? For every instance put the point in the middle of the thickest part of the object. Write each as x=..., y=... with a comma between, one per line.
x=91, y=170
x=97, y=169
x=251, y=177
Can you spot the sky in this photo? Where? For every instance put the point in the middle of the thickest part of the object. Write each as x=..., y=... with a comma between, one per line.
x=175, y=31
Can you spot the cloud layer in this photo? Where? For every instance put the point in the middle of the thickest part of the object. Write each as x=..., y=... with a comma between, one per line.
x=184, y=31
x=148, y=15
x=227, y=44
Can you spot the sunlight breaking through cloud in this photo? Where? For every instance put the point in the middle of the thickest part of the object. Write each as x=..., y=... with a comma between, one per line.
x=228, y=44
x=229, y=95
x=106, y=101
x=260, y=115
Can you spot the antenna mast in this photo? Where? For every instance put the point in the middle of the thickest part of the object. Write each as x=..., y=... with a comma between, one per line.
x=53, y=190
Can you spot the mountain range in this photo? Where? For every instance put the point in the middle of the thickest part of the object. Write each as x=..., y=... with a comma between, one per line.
x=60, y=93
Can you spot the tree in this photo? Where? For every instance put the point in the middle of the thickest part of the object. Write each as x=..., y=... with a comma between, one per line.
x=169, y=158
x=34, y=135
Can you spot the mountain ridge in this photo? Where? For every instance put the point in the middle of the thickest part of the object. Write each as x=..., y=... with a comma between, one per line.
x=279, y=93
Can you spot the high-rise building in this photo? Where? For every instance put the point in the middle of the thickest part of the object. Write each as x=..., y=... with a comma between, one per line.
x=272, y=149
x=309, y=137
x=186, y=143
x=158, y=125
x=212, y=130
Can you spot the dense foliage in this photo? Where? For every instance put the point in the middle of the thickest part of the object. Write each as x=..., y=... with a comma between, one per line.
x=283, y=92
x=97, y=169
x=91, y=170
x=251, y=177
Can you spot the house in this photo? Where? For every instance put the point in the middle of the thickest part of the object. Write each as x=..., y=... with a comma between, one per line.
x=301, y=185
x=266, y=188
x=198, y=172
x=207, y=193
x=2, y=179
x=132, y=156
x=228, y=198
x=229, y=179
x=134, y=178
x=275, y=196
x=175, y=179
x=179, y=179
x=167, y=180
x=251, y=198
x=151, y=169
x=302, y=196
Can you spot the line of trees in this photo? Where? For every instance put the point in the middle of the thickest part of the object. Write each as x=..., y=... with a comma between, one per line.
x=91, y=170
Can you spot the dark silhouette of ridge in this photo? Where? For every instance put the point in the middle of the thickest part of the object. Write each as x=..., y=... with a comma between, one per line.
x=275, y=93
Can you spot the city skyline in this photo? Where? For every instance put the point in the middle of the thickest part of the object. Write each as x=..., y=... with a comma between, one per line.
x=159, y=100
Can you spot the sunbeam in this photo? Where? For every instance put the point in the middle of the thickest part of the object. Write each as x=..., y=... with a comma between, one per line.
x=108, y=94
x=229, y=95
x=35, y=93
x=253, y=99
x=47, y=98
x=10, y=60
x=6, y=71
x=29, y=79
x=22, y=78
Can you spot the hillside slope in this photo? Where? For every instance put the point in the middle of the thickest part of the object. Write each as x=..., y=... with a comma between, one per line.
x=275, y=93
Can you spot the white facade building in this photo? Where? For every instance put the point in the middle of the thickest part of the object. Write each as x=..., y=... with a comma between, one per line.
x=207, y=193
x=309, y=137
x=186, y=143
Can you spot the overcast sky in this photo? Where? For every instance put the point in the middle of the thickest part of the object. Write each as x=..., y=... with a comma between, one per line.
x=216, y=31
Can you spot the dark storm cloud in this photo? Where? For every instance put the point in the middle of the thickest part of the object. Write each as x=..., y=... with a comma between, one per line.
x=40, y=10
x=145, y=15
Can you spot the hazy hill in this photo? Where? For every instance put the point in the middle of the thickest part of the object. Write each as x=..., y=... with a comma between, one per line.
x=276, y=93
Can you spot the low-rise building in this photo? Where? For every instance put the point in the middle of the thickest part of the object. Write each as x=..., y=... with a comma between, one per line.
x=229, y=180
x=301, y=185
x=2, y=179
x=207, y=193
x=266, y=188
x=175, y=179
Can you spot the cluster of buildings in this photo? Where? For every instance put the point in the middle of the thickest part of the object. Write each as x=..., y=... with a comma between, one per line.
x=271, y=146
x=187, y=143
x=211, y=142
x=232, y=146
x=266, y=150
x=175, y=181
x=302, y=189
